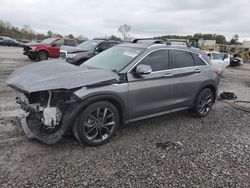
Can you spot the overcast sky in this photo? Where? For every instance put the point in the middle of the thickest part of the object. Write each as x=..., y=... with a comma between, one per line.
x=147, y=18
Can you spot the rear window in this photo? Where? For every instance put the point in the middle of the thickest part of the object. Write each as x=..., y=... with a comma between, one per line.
x=198, y=60
x=182, y=59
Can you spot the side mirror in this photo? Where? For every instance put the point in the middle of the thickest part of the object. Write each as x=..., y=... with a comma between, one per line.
x=53, y=44
x=143, y=69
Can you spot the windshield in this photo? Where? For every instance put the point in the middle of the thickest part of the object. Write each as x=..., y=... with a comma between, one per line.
x=88, y=45
x=47, y=41
x=115, y=58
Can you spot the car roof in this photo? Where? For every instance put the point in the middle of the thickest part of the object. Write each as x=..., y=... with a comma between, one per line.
x=156, y=46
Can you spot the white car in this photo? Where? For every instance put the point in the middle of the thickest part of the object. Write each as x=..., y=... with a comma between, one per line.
x=219, y=60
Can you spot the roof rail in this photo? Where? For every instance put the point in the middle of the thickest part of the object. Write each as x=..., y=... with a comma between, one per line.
x=153, y=40
x=99, y=39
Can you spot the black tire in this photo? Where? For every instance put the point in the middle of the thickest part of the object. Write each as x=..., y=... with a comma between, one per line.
x=97, y=124
x=204, y=102
x=42, y=55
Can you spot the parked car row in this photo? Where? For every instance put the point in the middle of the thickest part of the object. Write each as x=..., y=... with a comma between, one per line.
x=7, y=41
x=122, y=84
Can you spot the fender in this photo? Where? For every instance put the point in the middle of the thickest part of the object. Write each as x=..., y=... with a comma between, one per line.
x=75, y=108
x=42, y=49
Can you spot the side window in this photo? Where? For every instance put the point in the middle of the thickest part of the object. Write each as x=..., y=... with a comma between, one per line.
x=182, y=59
x=59, y=42
x=105, y=46
x=69, y=42
x=158, y=60
x=198, y=60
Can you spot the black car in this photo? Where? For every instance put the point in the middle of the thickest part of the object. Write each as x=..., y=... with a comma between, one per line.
x=6, y=41
x=86, y=50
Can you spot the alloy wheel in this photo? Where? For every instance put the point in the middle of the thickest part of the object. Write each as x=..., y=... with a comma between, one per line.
x=99, y=124
x=205, y=103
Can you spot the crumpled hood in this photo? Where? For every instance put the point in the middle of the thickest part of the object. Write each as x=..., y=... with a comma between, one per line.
x=57, y=74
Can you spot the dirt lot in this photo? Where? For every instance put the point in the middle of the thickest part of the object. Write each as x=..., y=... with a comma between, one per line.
x=210, y=152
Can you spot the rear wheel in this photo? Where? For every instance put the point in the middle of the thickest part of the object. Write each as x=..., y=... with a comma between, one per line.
x=97, y=123
x=41, y=56
x=204, y=102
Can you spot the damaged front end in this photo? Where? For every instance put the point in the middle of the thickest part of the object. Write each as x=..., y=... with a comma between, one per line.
x=50, y=100
x=45, y=113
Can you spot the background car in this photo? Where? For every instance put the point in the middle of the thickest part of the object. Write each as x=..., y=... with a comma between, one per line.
x=86, y=50
x=219, y=60
x=47, y=48
x=123, y=84
x=7, y=41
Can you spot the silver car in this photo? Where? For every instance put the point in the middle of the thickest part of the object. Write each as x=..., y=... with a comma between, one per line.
x=126, y=83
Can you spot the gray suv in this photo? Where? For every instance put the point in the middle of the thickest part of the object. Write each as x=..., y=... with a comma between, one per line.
x=123, y=84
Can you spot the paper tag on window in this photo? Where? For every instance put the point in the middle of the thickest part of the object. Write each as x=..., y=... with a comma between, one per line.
x=130, y=54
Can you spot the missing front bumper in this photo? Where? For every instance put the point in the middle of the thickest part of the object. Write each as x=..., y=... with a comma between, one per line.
x=33, y=132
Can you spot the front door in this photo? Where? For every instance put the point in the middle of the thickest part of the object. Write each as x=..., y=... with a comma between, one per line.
x=151, y=93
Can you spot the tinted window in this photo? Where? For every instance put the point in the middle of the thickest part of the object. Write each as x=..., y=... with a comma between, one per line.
x=182, y=59
x=69, y=43
x=59, y=42
x=158, y=60
x=105, y=46
x=198, y=60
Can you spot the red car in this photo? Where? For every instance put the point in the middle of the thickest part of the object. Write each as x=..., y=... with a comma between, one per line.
x=47, y=48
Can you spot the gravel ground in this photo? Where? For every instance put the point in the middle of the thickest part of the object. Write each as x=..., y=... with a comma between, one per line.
x=175, y=150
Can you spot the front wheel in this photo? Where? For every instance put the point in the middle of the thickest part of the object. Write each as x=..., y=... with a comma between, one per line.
x=204, y=102
x=97, y=123
x=41, y=56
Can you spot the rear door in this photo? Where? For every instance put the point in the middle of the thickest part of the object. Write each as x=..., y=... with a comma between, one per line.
x=188, y=75
x=151, y=93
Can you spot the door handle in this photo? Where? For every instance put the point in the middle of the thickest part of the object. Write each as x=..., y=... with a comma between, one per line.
x=197, y=70
x=168, y=75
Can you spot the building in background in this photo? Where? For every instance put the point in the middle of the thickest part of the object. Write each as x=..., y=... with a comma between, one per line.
x=246, y=44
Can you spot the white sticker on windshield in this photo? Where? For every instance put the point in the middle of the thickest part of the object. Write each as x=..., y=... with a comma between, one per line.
x=130, y=54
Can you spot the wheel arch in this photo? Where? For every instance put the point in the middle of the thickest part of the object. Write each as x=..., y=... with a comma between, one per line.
x=209, y=85
x=43, y=50
x=74, y=109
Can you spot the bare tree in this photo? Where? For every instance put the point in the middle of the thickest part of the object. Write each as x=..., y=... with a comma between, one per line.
x=124, y=30
x=235, y=39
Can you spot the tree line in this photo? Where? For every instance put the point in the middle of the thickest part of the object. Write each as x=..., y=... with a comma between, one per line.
x=26, y=32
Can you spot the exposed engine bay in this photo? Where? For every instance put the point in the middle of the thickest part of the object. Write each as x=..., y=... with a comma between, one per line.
x=45, y=111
